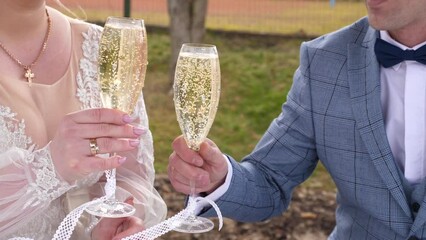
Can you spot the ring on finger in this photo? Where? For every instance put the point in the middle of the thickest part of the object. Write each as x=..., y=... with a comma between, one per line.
x=94, y=148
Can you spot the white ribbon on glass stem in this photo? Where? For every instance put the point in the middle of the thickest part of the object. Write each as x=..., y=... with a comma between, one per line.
x=67, y=225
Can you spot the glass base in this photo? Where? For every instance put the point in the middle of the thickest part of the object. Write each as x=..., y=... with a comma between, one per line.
x=111, y=209
x=194, y=224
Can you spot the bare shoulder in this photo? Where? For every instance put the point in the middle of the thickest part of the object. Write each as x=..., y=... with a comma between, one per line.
x=75, y=25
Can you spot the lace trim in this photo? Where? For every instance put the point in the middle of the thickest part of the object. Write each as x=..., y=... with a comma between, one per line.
x=45, y=185
x=88, y=91
x=87, y=86
x=12, y=130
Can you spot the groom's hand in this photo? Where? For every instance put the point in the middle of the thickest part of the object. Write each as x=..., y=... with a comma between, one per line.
x=207, y=167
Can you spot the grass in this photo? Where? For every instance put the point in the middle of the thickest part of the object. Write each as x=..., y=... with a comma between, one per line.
x=256, y=76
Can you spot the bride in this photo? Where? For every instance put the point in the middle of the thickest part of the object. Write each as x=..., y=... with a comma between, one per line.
x=52, y=129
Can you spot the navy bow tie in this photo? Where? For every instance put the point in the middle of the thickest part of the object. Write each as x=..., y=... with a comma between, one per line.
x=389, y=55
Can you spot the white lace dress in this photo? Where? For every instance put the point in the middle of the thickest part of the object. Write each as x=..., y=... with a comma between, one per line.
x=33, y=199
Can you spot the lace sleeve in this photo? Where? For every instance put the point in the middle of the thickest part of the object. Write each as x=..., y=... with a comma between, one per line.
x=28, y=184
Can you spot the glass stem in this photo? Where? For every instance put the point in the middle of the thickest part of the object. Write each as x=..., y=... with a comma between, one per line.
x=111, y=184
x=192, y=197
x=191, y=203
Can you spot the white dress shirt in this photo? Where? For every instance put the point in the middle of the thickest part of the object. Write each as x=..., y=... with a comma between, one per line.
x=403, y=98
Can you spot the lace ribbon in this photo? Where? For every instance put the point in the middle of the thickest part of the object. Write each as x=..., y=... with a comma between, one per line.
x=173, y=222
x=67, y=225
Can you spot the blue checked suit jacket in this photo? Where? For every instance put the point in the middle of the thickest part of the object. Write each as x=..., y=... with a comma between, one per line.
x=332, y=114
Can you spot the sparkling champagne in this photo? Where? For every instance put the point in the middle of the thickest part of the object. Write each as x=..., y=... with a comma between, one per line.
x=122, y=65
x=196, y=95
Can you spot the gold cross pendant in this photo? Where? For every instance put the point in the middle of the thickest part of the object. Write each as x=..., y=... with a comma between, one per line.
x=29, y=75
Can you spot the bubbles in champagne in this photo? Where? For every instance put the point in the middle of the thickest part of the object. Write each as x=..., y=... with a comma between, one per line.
x=196, y=95
x=122, y=65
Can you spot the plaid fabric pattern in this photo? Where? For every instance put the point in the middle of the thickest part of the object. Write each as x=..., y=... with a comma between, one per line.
x=332, y=114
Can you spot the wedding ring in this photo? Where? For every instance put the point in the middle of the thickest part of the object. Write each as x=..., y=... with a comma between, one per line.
x=94, y=149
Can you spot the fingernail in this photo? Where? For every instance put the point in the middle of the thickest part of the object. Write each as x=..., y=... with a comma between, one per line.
x=134, y=142
x=139, y=131
x=127, y=119
x=121, y=160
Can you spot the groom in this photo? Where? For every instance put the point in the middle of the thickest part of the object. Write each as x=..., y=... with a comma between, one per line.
x=358, y=105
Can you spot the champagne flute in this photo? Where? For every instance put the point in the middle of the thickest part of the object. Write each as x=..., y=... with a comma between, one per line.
x=122, y=66
x=196, y=98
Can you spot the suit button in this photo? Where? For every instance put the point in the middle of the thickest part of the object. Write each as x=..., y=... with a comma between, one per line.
x=415, y=206
x=413, y=238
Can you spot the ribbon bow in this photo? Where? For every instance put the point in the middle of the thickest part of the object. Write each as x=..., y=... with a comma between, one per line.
x=389, y=55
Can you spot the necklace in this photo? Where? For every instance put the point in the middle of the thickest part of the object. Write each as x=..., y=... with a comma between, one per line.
x=28, y=73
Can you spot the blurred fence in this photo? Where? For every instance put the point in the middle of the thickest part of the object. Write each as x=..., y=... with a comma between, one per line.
x=287, y=17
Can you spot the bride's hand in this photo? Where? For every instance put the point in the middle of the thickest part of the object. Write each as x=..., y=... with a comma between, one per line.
x=83, y=134
x=116, y=228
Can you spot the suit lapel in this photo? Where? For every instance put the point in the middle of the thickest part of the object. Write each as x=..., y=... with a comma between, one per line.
x=421, y=215
x=364, y=84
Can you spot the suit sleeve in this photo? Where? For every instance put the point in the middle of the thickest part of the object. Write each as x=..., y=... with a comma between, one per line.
x=262, y=184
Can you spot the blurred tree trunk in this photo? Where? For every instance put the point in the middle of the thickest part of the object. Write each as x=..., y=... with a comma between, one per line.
x=187, y=24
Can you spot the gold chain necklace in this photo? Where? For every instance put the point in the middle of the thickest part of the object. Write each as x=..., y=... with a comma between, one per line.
x=28, y=73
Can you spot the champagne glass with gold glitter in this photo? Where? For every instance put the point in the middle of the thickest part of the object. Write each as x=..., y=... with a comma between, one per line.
x=122, y=67
x=196, y=98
